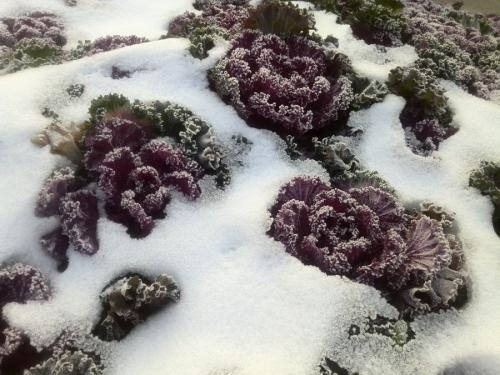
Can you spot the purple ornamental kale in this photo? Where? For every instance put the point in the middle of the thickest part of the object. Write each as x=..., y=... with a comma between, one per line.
x=61, y=182
x=137, y=174
x=21, y=283
x=455, y=45
x=109, y=135
x=106, y=43
x=224, y=15
x=281, y=84
x=364, y=234
x=40, y=25
x=18, y=283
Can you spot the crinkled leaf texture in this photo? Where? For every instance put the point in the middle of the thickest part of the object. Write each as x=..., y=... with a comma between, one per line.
x=130, y=300
x=18, y=283
x=363, y=233
x=281, y=84
x=63, y=194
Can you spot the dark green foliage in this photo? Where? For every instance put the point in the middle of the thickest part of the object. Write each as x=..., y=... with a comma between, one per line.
x=279, y=18
x=398, y=331
x=106, y=103
x=487, y=180
x=130, y=300
x=426, y=116
x=29, y=53
x=336, y=156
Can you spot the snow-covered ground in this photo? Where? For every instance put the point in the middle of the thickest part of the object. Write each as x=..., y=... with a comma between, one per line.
x=247, y=307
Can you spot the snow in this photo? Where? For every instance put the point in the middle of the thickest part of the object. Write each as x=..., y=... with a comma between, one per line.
x=246, y=306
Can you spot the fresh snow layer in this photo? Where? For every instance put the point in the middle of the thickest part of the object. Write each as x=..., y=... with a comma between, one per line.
x=247, y=307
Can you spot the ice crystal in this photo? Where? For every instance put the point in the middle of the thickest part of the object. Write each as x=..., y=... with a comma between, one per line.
x=130, y=300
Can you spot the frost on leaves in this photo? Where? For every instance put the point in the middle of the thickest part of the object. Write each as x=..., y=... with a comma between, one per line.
x=364, y=233
x=281, y=84
x=130, y=300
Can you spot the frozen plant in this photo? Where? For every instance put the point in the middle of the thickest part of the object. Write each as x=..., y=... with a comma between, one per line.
x=399, y=331
x=130, y=300
x=218, y=20
x=19, y=283
x=363, y=233
x=76, y=363
x=456, y=45
x=64, y=195
x=40, y=25
x=426, y=116
x=104, y=44
x=375, y=21
x=280, y=18
x=331, y=367
x=72, y=353
x=31, y=40
x=281, y=85
x=486, y=178
x=75, y=90
x=63, y=139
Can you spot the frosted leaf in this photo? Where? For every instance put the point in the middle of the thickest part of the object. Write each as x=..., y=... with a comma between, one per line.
x=130, y=300
x=60, y=182
x=21, y=283
x=79, y=217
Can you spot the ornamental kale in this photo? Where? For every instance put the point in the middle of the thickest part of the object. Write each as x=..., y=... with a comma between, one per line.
x=64, y=195
x=363, y=233
x=375, y=21
x=40, y=25
x=486, y=179
x=331, y=367
x=104, y=44
x=282, y=19
x=18, y=283
x=397, y=330
x=455, y=45
x=426, y=116
x=218, y=20
x=336, y=157
x=119, y=160
x=281, y=84
x=62, y=139
x=31, y=40
x=130, y=300
x=68, y=363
